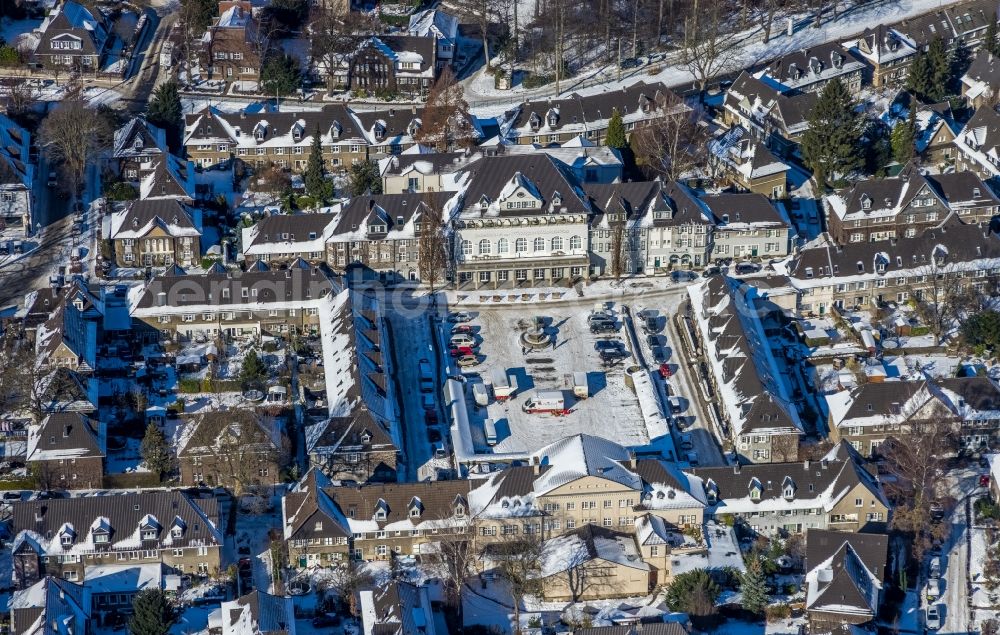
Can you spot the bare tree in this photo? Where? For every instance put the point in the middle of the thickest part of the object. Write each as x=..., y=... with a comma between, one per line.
x=915, y=457
x=784, y=448
x=707, y=51
x=619, y=247
x=517, y=559
x=446, y=123
x=73, y=134
x=17, y=376
x=672, y=143
x=335, y=37
x=482, y=13
x=432, y=243
x=19, y=94
x=238, y=447
x=347, y=582
x=942, y=297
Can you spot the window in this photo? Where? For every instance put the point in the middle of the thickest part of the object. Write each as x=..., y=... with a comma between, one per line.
x=503, y=246
x=484, y=246
x=466, y=247
x=575, y=242
x=521, y=245
x=539, y=244
x=557, y=244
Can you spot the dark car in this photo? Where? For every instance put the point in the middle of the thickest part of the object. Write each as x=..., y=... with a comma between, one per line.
x=655, y=340
x=683, y=276
x=744, y=268
x=608, y=345
x=660, y=354
x=603, y=327
x=711, y=271
x=630, y=62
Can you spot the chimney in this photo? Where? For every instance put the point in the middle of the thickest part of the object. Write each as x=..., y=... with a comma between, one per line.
x=631, y=460
x=805, y=465
x=736, y=468
x=536, y=467
x=161, y=299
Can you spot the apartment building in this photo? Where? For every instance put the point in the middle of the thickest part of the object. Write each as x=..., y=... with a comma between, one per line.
x=558, y=121
x=156, y=232
x=136, y=145
x=748, y=226
x=981, y=81
x=390, y=64
x=68, y=336
x=239, y=449
x=768, y=115
x=67, y=451
x=64, y=537
x=978, y=145
x=523, y=221
x=876, y=210
x=283, y=139
x=832, y=493
x=234, y=304
x=865, y=416
x=50, y=601
x=811, y=69
x=827, y=275
x=286, y=237
x=356, y=447
x=758, y=415
x=17, y=178
x=392, y=131
x=593, y=563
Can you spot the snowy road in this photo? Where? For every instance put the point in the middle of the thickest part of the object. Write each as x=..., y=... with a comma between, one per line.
x=955, y=595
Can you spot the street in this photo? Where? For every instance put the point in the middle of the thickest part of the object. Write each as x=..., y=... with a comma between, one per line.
x=955, y=595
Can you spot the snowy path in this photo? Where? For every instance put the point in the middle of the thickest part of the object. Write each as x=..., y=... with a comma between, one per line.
x=488, y=101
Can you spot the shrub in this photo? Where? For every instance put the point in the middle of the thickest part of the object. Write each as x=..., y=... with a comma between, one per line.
x=120, y=191
x=694, y=593
x=777, y=612
x=987, y=509
x=188, y=386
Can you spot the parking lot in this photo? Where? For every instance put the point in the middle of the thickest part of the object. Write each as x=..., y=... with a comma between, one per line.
x=611, y=410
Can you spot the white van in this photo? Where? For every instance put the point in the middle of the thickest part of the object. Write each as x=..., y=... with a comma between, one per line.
x=462, y=339
x=490, y=428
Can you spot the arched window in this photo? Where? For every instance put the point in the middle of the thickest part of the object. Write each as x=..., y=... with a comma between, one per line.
x=503, y=246
x=539, y=244
x=557, y=244
x=521, y=245
x=484, y=246
x=575, y=243
x=466, y=247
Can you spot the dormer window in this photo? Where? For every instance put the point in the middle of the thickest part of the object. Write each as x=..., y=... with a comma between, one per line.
x=318, y=526
x=755, y=490
x=365, y=437
x=296, y=133
x=535, y=122
x=176, y=532
x=137, y=144
x=66, y=539
x=788, y=488
x=414, y=512
x=335, y=130
x=100, y=538
x=149, y=533
x=553, y=120
x=866, y=202
x=381, y=510
x=460, y=510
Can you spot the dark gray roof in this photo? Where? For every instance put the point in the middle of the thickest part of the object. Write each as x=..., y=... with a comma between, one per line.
x=652, y=628
x=271, y=614
x=985, y=67
x=396, y=605
x=789, y=110
x=882, y=398
x=634, y=198
x=577, y=109
x=76, y=21
x=439, y=162
x=394, y=122
x=808, y=61
x=742, y=208
x=685, y=207
x=963, y=243
x=963, y=187
x=437, y=500
x=278, y=123
x=123, y=511
x=309, y=513
x=291, y=227
x=849, y=586
x=392, y=210
x=297, y=283
x=68, y=432
x=490, y=175
x=351, y=431
x=978, y=393
x=170, y=214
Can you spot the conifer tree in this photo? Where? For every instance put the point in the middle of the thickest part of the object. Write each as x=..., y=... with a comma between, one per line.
x=152, y=613
x=830, y=147
x=939, y=63
x=904, y=137
x=753, y=586
x=991, y=43
x=918, y=80
x=616, y=131
x=155, y=451
x=317, y=186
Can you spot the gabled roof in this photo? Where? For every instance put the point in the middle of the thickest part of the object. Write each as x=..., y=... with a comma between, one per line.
x=170, y=177
x=71, y=19
x=493, y=179
x=140, y=217
x=204, y=433
x=397, y=608
x=801, y=68
x=308, y=511
x=51, y=606
x=878, y=403
x=138, y=137
x=844, y=572
x=66, y=435
x=358, y=432
x=258, y=613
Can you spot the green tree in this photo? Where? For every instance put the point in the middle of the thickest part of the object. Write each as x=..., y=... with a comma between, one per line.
x=616, y=131
x=983, y=329
x=830, y=147
x=153, y=615
x=939, y=65
x=365, y=178
x=904, y=137
x=991, y=44
x=253, y=369
x=280, y=75
x=694, y=593
x=165, y=111
x=318, y=187
x=155, y=451
x=918, y=80
x=753, y=586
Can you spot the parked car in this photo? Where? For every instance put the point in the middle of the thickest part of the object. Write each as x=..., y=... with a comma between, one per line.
x=933, y=621
x=665, y=371
x=603, y=327
x=430, y=417
x=744, y=268
x=462, y=339
x=608, y=345
x=53, y=179
x=428, y=402
x=467, y=361
x=711, y=271
x=459, y=351
x=460, y=316
x=683, y=276
x=631, y=62
x=686, y=442
x=655, y=340
x=651, y=324
x=461, y=328
x=660, y=355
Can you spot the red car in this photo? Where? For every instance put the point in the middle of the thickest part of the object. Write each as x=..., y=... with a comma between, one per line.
x=461, y=351
x=984, y=480
x=430, y=417
x=461, y=328
x=665, y=370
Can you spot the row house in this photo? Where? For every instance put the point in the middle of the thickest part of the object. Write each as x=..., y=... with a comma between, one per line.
x=67, y=450
x=233, y=304
x=234, y=47
x=523, y=221
x=835, y=493
x=382, y=232
x=978, y=145
x=69, y=335
x=887, y=51
x=867, y=415
x=759, y=418
x=875, y=210
x=17, y=178
x=748, y=226
x=749, y=164
x=283, y=139
x=358, y=437
x=331, y=524
x=287, y=237
x=826, y=274
x=844, y=578
x=811, y=69
x=156, y=232
x=981, y=81
x=768, y=115
x=392, y=131
x=555, y=122
x=65, y=537
x=73, y=36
